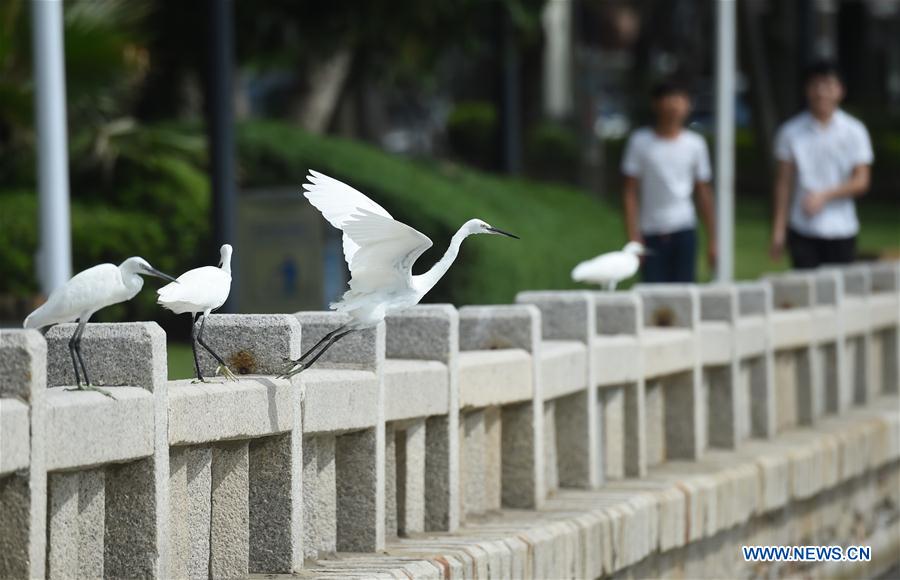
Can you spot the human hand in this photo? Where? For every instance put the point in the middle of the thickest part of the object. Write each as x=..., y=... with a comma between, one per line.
x=712, y=255
x=776, y=246
x=814, y=201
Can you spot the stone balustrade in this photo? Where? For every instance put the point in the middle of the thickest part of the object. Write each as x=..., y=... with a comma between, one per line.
x=572, y=434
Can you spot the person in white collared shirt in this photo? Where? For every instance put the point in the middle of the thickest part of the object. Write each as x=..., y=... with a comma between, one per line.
x=824, y=157
x=666, y=180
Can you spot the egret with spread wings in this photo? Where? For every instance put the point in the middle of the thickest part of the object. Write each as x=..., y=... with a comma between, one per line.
x=380, y=252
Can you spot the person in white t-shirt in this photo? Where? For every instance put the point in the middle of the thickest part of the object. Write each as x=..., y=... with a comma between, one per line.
x=824, y=157
x=666, y=172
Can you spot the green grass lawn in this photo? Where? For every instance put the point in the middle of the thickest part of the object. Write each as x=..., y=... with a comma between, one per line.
x=879, y=237
x=181, y=360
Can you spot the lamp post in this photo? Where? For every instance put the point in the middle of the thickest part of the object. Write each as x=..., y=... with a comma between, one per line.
x=220, y=131
x=726, y=65
x=54, y=258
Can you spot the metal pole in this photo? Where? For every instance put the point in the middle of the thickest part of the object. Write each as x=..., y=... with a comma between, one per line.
x=54, y=260
x=726, y=69
x=221, y=135
x=512, y=140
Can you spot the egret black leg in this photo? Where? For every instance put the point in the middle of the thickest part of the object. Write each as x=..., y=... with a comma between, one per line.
x=79, y=332
x=74, y=357
x=225, y=370
x=291, y=364
x=323, y=340
x=76, y=347
x=301, y=366
x=194, y=347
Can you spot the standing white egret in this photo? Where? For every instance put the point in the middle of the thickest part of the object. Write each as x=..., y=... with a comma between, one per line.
x=86, y=293
x=200, y=291
x=612, y=267
x=380, y=252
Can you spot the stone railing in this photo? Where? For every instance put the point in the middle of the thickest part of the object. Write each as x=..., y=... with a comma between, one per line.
x=573, y=434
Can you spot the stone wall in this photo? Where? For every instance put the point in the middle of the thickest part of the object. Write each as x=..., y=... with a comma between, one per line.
x=579, y=434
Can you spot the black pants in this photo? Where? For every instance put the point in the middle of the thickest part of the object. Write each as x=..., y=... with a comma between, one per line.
x=672, y=257
x=807, y=252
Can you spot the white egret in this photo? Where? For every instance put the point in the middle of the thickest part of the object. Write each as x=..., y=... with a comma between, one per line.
x=612, y=267
x=200, y=291
x=380, y=252
x=86, y=293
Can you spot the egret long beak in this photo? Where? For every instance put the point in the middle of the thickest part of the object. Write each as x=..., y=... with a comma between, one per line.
x=502, y=233
x=154, y=272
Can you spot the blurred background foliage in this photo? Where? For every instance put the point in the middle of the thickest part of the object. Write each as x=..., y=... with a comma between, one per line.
x=405, y=100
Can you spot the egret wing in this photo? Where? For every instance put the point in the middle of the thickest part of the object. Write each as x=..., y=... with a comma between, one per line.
x=606, y=267
x=338, y=202
x=88, y=290
x=196, y=290
x=387, y=250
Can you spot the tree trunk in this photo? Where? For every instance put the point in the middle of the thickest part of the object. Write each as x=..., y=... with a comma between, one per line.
x=314, y=111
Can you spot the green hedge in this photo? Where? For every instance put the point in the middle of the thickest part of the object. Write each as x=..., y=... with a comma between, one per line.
x=552, y=152
x=559, y=226
x=472, y=133
x=162, y=217
x=99, y=234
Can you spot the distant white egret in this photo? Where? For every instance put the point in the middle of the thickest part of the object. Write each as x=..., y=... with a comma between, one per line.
x=611, y=268
x=86, y=293
x=200, y=291
x=380, y=252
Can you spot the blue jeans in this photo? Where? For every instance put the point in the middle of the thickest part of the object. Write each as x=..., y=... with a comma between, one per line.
x=672, y=257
